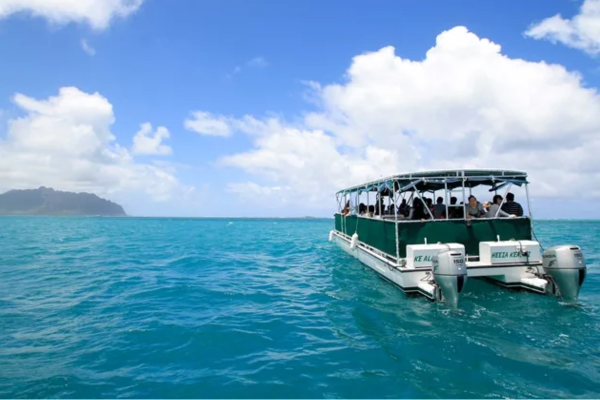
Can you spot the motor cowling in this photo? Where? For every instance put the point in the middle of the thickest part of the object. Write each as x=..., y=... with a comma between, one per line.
x=566, y=266
x=450, y=274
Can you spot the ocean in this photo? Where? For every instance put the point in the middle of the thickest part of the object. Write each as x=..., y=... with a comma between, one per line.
x=246, y=308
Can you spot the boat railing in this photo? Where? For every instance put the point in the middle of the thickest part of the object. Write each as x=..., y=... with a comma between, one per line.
x=392, y=219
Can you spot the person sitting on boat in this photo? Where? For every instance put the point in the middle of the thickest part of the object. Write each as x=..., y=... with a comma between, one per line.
x=511, y=206
x=429, y=203
x=371, y=211
x=362, y=209
x=378, y=206
x=456, y=211
x=474, y=208
x=346, y=209
x=418, y=211
x=403, y=209
x=439, y=208
x=494, y=207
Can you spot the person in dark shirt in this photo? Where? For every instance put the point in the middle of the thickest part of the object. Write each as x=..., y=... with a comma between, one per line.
x=362, y=209
x=403, y=209
x=418, y=211
x=511, y=206
x=439, y=208
x=454, y=210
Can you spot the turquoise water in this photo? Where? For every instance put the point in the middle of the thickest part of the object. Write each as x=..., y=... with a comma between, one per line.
x=157, y=308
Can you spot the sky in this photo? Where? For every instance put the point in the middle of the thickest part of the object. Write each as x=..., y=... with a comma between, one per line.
x=256, y=108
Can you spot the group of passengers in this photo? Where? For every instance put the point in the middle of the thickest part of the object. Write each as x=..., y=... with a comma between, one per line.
x=510, y=208
x=419, y=211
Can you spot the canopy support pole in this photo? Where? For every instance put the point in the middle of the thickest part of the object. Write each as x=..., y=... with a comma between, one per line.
x=503, y=200
x=446, y=197
x=528, y=202
x=464, y=199
x=396, y=230
x=343, y=216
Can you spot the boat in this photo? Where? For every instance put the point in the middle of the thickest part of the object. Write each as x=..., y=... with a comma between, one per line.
x=436, y=255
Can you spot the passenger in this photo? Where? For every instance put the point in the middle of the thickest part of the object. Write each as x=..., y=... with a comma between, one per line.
x=474, y=208
x=494, y=207
x=378, y=206
x=418, y=211
x=453, y=208
x=371, y=211
x=511, y=206
x=429, y=202
x=403, y=209
x=346, y=209
x=391, y=209
x=362, y=209
x=428, y=205
x=439, y=208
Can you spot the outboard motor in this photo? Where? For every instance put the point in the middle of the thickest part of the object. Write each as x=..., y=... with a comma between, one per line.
x=566, y=266
x=450, y=274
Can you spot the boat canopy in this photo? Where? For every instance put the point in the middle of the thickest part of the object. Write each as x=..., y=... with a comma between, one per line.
x=439, y=180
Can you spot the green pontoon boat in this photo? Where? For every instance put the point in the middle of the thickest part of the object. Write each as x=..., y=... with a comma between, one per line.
x=432, y=249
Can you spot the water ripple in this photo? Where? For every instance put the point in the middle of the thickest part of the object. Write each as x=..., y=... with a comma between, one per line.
x=101, y=307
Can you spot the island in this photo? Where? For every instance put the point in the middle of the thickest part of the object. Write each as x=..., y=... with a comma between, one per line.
x=47, y=201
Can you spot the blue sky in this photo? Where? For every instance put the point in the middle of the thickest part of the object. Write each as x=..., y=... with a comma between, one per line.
x=167, y=59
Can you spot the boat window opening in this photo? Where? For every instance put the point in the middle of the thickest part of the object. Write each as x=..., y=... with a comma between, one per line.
x=403, y=190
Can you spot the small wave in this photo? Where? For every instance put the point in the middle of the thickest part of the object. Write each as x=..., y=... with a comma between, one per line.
x=159, y=308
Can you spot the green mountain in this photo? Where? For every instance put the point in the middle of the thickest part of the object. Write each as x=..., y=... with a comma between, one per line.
x=47, y=201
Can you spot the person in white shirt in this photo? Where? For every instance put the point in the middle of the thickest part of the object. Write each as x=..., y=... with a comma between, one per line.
x=494, y=207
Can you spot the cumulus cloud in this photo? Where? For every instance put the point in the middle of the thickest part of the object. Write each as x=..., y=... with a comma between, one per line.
x=65, y=142
x=581, y=32
x=98, y=14
x=465, y=105
x=147, y=142
x=87, y=48
x=306, y=165
x=251, y=192
x=205, y=123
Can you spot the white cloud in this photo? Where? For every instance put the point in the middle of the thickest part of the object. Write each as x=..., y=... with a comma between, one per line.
x=96, y=13
x=306, y=165
x=147, y=142
x=464, y=105
x=65, y=142
x=581, y=32
x=87, y=48
x=253, y=192
x=258, y=62
x=205, y=123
